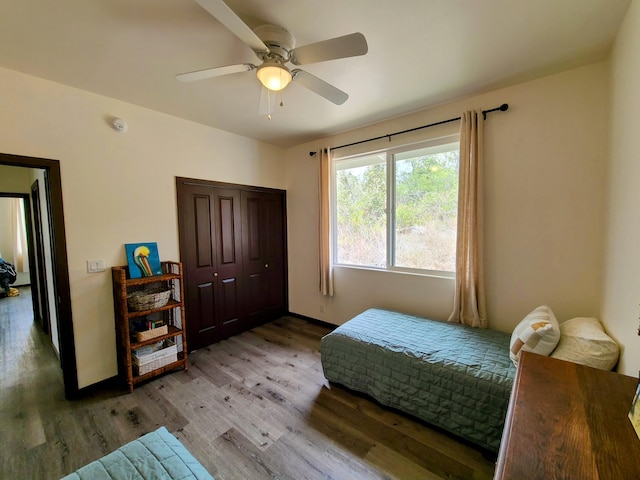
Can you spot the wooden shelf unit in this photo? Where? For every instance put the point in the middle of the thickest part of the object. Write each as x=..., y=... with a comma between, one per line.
x=173, y=314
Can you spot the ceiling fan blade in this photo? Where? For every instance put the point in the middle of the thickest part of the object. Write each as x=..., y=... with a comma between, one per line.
x=214, y=72
x=229, y=19
x=351, y=45
x=319, y=86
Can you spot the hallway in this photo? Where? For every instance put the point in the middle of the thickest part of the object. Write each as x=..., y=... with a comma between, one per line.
x=30, y=380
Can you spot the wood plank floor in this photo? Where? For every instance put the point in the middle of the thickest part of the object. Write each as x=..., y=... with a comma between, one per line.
x=255, y=406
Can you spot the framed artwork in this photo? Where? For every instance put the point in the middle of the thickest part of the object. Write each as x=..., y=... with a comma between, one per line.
x=634, y=413
x=143, y=259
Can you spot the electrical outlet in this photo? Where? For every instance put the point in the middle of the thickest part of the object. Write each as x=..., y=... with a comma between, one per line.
x=95, y=266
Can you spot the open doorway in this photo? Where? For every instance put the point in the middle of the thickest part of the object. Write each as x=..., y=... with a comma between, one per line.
x=24, y=260
x=16, y=240
x=58, y=296
x=15, y=256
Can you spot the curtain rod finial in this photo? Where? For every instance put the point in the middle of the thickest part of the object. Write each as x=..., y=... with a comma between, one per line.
x=504, y=107
x=312, y=154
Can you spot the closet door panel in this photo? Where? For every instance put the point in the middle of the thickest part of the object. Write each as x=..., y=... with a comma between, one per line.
x=229, y=260
x=274, y=251
x=263, y=254
x=229, y=301
x=252, y=230
x=227, y=224
x=205, y=308
x=204, y=230
x=197, y=238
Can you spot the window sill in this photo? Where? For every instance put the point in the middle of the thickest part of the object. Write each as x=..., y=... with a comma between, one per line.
x=401, y=271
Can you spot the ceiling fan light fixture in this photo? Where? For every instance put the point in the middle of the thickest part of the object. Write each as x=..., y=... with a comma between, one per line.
x=274, y=76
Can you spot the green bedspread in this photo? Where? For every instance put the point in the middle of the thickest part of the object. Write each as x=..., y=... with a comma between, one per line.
x=452, y=376
x=155, y=456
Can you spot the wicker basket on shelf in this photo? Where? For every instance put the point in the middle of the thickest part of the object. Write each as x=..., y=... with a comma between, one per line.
x=142, y=300
x=155, y=356
x=152, y=333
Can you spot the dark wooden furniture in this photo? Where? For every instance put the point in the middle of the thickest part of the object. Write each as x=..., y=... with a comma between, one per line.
x=568, y=421
x=233, y=248
x=172, y=314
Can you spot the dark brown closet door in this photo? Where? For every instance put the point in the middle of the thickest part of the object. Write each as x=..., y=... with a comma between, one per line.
x=263, y=247
x=210, y=246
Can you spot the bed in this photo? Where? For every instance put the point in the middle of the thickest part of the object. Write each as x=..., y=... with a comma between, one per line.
x=455, y=377
x=157, y=455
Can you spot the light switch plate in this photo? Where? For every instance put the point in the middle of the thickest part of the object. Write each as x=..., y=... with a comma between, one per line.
x=95, y=266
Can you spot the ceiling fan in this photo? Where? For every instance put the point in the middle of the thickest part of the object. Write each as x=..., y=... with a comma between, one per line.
x=275, y=47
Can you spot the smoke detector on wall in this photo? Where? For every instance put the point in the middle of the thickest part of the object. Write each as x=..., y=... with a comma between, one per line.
x=119, y=125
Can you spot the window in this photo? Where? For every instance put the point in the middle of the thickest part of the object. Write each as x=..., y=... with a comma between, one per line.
x=397, y=209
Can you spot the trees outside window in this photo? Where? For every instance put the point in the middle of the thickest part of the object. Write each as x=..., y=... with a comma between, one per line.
x=397, y=209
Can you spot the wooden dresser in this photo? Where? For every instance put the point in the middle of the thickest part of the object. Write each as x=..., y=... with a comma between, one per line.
x=568, y=421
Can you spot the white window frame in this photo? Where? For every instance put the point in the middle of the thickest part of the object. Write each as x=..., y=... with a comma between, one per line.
x=444, y=143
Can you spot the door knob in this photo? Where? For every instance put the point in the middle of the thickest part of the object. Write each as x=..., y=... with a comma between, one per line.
x=215, y=274
x=266, y=265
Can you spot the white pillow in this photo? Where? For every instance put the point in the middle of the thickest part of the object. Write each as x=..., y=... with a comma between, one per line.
x=538, y=332
x=584, y=341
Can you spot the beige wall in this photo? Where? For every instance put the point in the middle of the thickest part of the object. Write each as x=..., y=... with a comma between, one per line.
x=15, y=179
x=621, y=273
x=545, y=164
x=118, y=188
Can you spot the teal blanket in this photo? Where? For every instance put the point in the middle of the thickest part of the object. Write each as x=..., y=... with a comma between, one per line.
x=455, y=377
x=157, y=455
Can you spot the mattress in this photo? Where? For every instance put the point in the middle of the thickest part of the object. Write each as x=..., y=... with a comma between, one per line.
x=452, y=376
x=157, y=455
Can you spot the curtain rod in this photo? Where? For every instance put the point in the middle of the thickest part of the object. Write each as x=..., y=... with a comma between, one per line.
x=502, y=108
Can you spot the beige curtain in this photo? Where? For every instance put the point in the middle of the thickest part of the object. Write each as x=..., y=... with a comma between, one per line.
x=19, y=234
x=469, y=306
x=324, y=240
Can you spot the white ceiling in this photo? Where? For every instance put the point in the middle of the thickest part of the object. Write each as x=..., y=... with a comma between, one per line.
x=421, y=53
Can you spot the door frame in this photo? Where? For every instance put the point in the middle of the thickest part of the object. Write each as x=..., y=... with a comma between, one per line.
x=38, y=246
x=60, y=263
